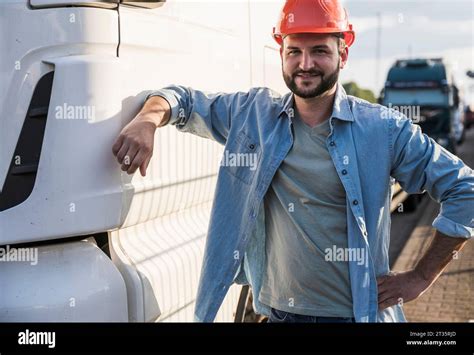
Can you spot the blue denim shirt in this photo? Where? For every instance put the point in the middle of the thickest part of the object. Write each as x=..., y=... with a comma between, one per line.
x=369, y=145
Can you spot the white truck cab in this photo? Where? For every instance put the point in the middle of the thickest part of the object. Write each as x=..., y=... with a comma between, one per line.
x=80, y=240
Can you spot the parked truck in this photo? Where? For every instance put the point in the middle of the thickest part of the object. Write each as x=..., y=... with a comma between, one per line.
x=425, y=91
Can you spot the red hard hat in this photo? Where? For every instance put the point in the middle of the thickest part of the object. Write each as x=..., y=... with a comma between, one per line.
x=314, y=16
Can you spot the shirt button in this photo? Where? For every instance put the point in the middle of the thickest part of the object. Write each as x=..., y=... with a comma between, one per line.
x=252, y=146
x=332, y=144
x=344, y=172
x=355, y=202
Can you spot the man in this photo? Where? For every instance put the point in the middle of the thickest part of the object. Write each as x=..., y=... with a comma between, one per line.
x=321, y=186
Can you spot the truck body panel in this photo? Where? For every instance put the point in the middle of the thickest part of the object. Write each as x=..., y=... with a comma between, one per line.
x=66, y=282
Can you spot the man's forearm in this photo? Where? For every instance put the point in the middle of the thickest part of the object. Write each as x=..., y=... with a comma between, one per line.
x=156, y=110
x=440, y=252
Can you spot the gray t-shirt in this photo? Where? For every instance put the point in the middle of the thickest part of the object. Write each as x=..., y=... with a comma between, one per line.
x=305, y=214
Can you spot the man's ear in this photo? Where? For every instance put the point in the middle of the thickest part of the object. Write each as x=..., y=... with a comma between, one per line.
x=344, y=57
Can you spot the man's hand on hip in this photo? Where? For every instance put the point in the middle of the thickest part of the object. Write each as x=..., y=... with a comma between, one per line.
x=400, y=287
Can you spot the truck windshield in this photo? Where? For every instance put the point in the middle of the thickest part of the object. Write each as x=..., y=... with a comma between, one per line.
x=421, y=97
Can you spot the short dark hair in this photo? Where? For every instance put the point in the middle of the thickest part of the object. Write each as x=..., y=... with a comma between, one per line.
x=341, y=42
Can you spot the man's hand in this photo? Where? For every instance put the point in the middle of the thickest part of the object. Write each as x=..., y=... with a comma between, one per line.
x=134, y=146
x=409, y=285
x=400, y=287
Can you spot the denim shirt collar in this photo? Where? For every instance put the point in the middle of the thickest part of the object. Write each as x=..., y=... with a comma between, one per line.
x=340, y=110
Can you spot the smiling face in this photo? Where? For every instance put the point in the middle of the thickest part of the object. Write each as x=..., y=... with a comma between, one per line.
x=311, y=63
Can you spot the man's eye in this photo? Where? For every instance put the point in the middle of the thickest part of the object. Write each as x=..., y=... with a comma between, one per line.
x=292, y=52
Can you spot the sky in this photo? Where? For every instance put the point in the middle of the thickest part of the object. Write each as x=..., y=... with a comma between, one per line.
x=410, y=29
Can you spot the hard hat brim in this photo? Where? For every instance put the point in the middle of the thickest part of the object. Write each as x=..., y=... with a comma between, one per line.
x=349, y=36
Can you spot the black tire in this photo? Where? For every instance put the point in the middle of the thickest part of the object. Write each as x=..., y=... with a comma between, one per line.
x=463, y=137
x=452, y=146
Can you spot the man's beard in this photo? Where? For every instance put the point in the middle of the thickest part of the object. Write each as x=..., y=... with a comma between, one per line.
x=327, y=82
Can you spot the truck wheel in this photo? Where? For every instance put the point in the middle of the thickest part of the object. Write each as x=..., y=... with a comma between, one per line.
x=463, y=137
x=452, y=146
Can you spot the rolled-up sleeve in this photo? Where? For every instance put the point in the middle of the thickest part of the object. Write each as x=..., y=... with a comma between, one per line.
x=419, y=164
x=208, y=115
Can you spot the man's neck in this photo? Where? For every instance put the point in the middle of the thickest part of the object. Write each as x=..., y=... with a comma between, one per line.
x=317, y=109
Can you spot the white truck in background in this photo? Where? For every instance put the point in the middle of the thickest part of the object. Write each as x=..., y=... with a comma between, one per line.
x=112, y=247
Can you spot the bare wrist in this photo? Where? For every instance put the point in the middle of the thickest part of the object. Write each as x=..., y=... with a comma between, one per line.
x=425, y=275
x=155, y=110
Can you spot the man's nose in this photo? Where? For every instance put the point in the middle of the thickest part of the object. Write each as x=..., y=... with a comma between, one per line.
x=306, y=61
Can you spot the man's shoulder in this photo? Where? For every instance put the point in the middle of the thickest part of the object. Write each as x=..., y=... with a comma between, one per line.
x=266, y=98
x=361, y=107
x=266, y=92
x=365, y=110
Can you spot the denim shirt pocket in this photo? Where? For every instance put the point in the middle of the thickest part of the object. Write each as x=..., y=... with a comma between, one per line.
x=241, y=157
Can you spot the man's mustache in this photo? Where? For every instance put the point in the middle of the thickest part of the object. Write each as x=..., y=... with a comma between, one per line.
x=311, y=72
